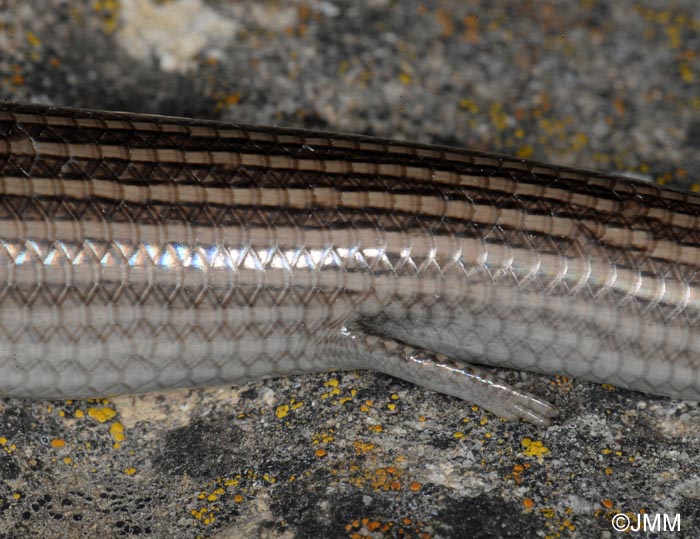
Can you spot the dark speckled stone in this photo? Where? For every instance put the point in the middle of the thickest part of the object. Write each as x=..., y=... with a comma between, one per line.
x=189, y=449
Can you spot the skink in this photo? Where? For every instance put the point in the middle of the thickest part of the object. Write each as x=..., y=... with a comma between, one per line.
x=141, y=253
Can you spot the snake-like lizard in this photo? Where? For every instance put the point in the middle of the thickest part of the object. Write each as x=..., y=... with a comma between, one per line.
x=141, y=253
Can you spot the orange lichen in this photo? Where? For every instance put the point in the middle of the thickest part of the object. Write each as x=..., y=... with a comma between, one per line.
x=58, y=442
x=363, y=447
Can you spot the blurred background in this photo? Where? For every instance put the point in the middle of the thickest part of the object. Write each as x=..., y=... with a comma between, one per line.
x=605, y=85
x=613, y=86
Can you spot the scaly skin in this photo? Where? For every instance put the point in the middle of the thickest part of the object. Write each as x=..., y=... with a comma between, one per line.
x=141, y=253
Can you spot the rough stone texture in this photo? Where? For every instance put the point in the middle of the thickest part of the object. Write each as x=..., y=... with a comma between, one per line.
x=606, y=85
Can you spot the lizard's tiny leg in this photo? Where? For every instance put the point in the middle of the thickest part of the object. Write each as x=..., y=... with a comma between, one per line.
x=442, y=374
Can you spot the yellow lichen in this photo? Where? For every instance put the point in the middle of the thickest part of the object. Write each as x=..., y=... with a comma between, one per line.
x=269, y=479
x=116, y=429
x=282, y=411
x=33, y=39
x=101, y=414
x=534, y=448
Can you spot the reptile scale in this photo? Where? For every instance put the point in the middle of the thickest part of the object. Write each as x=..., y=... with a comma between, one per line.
x=141, y=253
